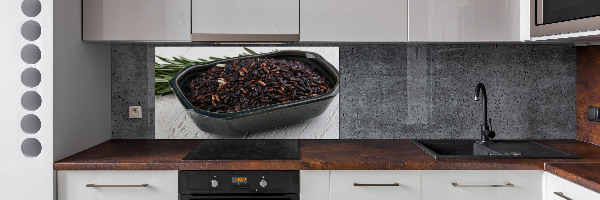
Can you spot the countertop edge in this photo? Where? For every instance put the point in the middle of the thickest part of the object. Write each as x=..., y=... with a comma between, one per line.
x=579, y=179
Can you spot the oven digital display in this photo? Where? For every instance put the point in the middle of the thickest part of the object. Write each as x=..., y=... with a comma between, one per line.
x=239, y=180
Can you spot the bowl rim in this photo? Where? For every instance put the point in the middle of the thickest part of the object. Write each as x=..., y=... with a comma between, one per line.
x=321, y=62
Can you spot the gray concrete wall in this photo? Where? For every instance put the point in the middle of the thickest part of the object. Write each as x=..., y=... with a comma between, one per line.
x=132, y=85
x=409, y=90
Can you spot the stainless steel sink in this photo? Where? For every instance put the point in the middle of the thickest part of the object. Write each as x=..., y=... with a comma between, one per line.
x=493, y=149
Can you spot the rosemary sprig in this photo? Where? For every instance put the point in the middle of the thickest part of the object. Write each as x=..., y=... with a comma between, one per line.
x=164, y=72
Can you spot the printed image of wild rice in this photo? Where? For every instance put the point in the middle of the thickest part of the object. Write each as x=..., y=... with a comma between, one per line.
x=252, y=83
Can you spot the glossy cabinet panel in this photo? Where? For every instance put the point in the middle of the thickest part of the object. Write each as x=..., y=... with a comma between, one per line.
x=314, y=185
x=468, y=20
x=482, y=184
x=354, y=20
x=561, y=189
x=245, y=17
x=117, y=185
x=371, y=185
x=136, y=20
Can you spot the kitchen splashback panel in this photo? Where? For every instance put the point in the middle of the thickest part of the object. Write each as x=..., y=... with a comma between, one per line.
x=408, y=90
x=308, y=119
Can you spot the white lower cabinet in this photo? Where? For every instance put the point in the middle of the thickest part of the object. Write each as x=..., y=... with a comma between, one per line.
x=117, y=185
x=561, y=189
x=375, y=185
x=482, y=184
x=314, y=184
x=340, y=185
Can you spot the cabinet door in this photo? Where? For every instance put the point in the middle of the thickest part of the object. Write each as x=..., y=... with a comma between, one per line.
x=354, y=20
x=468, y=20
x=371, y=185
x=117, y=185
x=314, y=184
x=136, y=20
x=245, y=17
x=561, y=189
x=482, y=184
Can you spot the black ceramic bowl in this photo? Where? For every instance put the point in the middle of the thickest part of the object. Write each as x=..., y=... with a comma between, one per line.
x=266, y=116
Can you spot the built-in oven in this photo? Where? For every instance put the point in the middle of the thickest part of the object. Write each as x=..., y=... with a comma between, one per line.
x=234, y=185
x=555, y=17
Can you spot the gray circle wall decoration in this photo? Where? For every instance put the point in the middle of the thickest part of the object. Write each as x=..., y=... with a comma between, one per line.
x=31, y=124
x=31, y=77
x=31, y=100
x=31, y=8
x=31, y=147
x=31, y=54
x=31, y=30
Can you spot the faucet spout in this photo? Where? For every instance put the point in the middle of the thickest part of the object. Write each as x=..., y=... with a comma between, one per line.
x=481, y=88
x=486, y=132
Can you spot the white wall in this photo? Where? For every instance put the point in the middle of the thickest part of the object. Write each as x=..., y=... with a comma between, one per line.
x=24, y=177
x=82, y=87
x=74, y=75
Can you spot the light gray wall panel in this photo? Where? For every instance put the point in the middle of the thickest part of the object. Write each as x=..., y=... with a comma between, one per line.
x=82, y=104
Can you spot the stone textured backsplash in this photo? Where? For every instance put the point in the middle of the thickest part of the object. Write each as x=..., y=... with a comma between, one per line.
x=427, y=90
x=132, y=85
x=400, y=90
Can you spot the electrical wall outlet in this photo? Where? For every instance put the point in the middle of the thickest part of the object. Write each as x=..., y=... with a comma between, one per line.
x=135, y=112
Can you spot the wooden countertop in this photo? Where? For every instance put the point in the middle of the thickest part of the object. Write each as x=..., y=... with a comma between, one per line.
x=314, y=155
x=581, y=173
x=332, y=155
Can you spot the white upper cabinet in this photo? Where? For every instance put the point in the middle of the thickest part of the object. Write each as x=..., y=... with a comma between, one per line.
x=136, y=20
x=307, y=20
x=468, y=20
x=245, y=20
x=354, y=20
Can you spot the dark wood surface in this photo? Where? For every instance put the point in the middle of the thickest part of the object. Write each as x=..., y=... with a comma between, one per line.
x=584, y=174
x=588, y=92
x=314, y=155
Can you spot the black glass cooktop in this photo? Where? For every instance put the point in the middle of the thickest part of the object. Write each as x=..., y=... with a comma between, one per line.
x=229, y=149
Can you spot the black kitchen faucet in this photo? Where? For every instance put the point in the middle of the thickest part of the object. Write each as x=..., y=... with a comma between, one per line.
x=486, y=129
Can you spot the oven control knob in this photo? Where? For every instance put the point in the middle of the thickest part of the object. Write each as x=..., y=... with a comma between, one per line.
x=263, y=183
x=214, y=183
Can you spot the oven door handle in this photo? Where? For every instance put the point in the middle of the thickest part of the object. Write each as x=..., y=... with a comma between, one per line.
x=245, y=196
x=251, y=197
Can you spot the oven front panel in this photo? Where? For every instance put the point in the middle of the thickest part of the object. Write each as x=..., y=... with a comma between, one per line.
x=282, y=197
x=232, y=185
